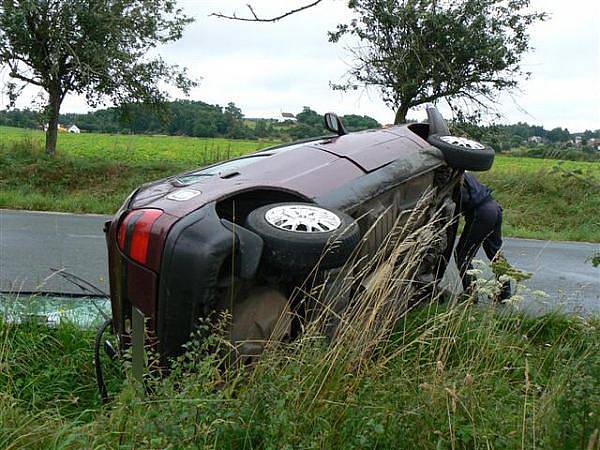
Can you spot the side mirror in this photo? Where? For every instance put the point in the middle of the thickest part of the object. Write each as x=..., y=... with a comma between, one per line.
x=334, y=124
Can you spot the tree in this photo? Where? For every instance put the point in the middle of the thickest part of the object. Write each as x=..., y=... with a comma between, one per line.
x=310, y=117
x=98, y=48
x=355, y=122
x=559, y=135
x=419, y=51
x=260, y=130
x=304, y=130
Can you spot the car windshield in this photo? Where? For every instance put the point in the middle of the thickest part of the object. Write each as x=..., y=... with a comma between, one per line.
x=236, y=164
x=218, y=169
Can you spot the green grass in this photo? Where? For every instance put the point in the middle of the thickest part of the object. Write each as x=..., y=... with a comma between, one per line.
x=457, y=377
x=94, y=172
x=541, y=204
x=137, y=150
x=440, y=376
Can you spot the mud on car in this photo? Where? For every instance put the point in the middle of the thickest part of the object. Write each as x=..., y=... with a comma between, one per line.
x=242, y=234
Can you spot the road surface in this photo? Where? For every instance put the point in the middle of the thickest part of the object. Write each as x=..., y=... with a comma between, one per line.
x=31, y=243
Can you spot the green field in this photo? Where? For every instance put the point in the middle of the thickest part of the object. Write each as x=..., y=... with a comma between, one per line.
x=137, y=149
x=95, y=172
x=541, y=203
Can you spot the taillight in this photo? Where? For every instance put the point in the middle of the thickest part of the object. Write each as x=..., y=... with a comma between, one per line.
x=135, y=232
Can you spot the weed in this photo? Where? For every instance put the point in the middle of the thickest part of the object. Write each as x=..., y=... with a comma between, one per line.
x=391, y=375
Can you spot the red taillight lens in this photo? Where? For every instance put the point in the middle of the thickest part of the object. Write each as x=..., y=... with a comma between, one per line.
x=135, y=231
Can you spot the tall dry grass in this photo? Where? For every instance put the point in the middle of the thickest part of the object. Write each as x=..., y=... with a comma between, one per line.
x=381, y=364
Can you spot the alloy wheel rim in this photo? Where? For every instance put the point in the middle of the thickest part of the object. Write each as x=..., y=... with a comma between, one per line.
x=303, y=219
x=462, y=142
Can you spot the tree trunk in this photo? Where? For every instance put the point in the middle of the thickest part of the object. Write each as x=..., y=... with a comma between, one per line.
x=401, y=115
x=52, y=131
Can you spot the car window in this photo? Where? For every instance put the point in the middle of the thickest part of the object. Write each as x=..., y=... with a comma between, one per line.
x=233, y=165
x=217, y=169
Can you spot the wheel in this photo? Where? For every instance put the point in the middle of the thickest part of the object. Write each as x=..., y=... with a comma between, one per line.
x=259, y=315
x=463, y=153
x=262, y=317
x=297, y=236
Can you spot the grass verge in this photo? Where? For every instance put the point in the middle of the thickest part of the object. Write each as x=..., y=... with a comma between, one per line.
x=453, y=378
x=93, y=173
x=391, y=376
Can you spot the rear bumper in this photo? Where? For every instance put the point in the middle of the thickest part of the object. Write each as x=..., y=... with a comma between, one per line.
x=196, y=252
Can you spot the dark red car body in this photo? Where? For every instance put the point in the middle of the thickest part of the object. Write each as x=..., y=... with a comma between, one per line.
x=170, y=245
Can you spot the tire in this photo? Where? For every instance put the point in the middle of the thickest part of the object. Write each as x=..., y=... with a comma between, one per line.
x=300, y=251
x=464, y=154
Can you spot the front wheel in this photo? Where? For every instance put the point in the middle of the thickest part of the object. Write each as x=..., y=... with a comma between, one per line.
x=298, y=236
x=463, y=153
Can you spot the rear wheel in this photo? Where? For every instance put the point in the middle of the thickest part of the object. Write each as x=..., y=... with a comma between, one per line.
x=298, y=236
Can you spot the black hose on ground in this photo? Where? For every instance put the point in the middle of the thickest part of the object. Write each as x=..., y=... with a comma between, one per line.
x=99, y=373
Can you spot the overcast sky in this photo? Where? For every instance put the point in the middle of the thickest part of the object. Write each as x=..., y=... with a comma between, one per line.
x=269, y=68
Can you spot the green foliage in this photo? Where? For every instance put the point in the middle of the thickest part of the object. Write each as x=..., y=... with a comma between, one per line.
x=540, y=203
x=578, y=406
x=46, y=368
x=189, y=118
x=460, y=377
x=310, y=117
x=97, y=48
x=354, y=122
x=24, y=118
x=595, y=259
x=500, y=266
x=418, y=51
x=562, y=152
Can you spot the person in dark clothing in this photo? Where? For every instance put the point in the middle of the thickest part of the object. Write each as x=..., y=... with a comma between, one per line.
x=483, y=226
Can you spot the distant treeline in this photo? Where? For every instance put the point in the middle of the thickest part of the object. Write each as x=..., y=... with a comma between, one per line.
x=189, y=118
x=504, y=137
x=199, y=119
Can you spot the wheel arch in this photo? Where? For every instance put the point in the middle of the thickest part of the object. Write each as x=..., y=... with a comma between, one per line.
x=236, y=207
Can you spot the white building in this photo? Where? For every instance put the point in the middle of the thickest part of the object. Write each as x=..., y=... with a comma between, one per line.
x=287, y=116
x=73, y=129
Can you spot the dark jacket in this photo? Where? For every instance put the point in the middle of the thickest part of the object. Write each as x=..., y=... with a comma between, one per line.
x=473, y=193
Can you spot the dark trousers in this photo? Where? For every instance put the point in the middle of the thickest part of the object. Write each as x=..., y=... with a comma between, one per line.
x=483, y=226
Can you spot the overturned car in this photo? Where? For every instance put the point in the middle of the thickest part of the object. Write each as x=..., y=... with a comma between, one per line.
x=242, y=234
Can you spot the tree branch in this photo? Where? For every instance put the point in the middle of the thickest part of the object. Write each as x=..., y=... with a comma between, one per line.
x=14, y=73
x=255, y=17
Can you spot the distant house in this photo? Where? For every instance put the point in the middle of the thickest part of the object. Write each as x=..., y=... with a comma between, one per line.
x=535, y=139
x=288, y=116
x=594, y=143
x=64, y=128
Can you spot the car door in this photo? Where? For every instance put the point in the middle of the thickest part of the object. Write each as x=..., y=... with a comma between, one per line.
x=372, y=149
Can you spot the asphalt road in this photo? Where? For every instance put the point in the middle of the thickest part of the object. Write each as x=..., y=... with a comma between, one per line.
x=33, y=242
